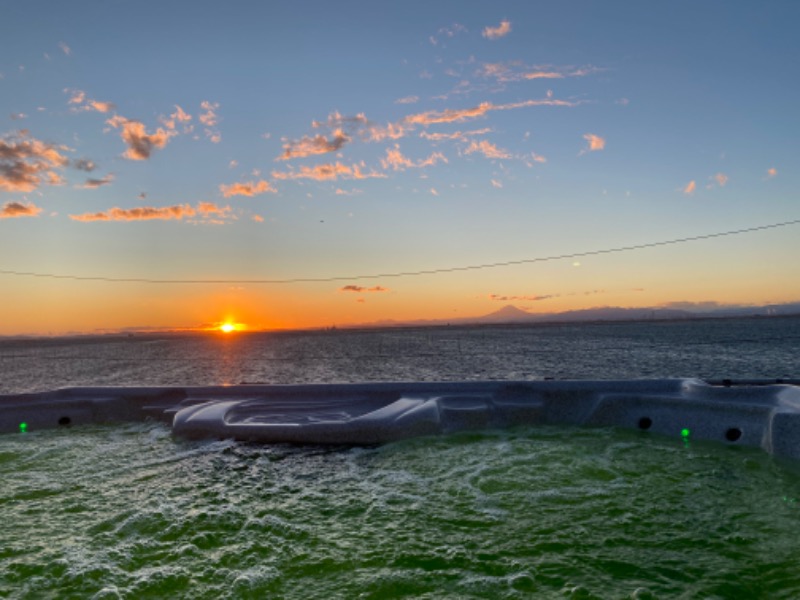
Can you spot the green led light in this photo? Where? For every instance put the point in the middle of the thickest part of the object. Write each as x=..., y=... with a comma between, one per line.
x=685, y=432
x=23, y=427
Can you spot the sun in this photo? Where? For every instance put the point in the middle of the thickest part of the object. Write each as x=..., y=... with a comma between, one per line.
x=227, y=327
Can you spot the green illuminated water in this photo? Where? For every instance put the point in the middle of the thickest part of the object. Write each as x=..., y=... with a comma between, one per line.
x=130, y=512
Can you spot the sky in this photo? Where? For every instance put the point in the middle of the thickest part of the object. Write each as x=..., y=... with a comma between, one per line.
x=169, y=165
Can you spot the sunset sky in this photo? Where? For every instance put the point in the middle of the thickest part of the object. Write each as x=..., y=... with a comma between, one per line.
x=182, y=165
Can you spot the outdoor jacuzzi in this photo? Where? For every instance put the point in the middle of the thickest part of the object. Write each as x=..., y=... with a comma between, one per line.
x=755, y=413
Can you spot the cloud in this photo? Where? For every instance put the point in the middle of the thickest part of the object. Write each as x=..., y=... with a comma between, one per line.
x=91, y=184
x=148, y=213
x=65, y=49
x=464, y=114
x=26, y=163
x=500, y=298
x=310, y=146
x=434, y=191
x=595, y=143
x=397, y=161
x=460, y=136
x=449, y=32
x=486, y=148
x=249, y=188
x=78, y=98
x=353, y=192
x=328, y=172
x=407, y=100
x=17, y=116
x=179, y=116
x=140, y=144
x=209, y=119
x=721, y=179
x=517, y=71
x=209, y=208
x=258, y=218
x=496, y=183
x=13, y=210
x=690, y=188
x=358, y=289
x=494, y=33
x=772, y=172
x=83, y=164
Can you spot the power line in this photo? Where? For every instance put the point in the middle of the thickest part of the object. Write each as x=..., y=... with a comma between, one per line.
x=509, y=263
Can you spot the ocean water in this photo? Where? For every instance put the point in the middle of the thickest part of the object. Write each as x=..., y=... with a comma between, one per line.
x=547, y=512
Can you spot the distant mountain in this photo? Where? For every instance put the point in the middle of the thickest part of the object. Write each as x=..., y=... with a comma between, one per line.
x=510, y=314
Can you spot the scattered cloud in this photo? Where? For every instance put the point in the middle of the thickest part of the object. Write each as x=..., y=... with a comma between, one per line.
x=211, y=212
x=82, y=103
x=27, y=163
x=310, y=146
x=460, y=136
x=178, y=117
x=142, y=213
x=464, y=114
x=65, y=49
x=17, y=116
x=447, y=32
x=209, y=119
x=353, y=192
x=721, y=179
x=488, y=149
x=771, y=172
x=501, y=298
x=140, y=144
x=328, y=172
x=359, y=289
x=690, y=188
x=13, y=210
x=407, y=100
x=83, y=164
x=434, y=191
x=517, y=71
x=397, y=161
x=494, y=33
x=497, y=184
x=258, y=218
x=249, y=188
x=595, y=143
x=91, y=184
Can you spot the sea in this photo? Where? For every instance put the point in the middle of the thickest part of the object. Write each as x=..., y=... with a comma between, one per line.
x=129, y=511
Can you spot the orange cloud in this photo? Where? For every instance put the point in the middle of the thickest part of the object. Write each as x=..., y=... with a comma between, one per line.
x=690, y=188
x=772, y=172
x=309, y=146
x=249, y=188
x=179, y=116
x=209, y=208
x=140, y=144
x=486, y=148
x=78, y=98
x=721, y=179
x=142, y=213
x=12, y=210
x=26, y=163
x=458, y=115
x=358, y=289
x=328, y=172
x=209, y=119
x=395, y=160
x=494, y=33
x=516, y=71
x=595, y=143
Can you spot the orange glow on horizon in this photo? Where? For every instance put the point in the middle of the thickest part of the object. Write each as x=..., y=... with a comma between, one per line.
x=227, y=327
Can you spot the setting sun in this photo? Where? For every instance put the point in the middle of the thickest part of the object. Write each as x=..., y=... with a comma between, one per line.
x=227, y=327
